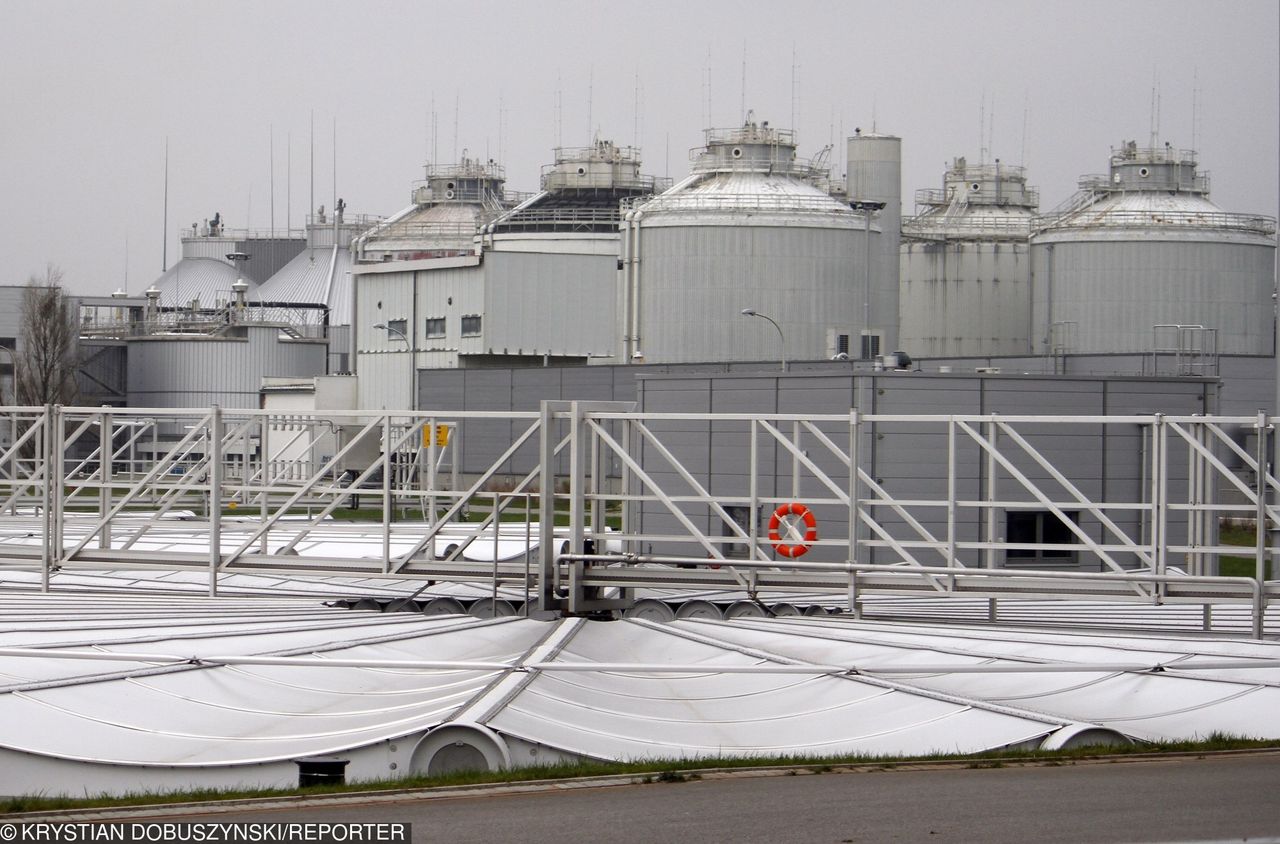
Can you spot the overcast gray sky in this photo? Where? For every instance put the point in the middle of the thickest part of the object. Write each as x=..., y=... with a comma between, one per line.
x=92, y=90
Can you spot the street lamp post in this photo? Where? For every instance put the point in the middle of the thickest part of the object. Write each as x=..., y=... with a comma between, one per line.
x=753, y=312
x=413, y=397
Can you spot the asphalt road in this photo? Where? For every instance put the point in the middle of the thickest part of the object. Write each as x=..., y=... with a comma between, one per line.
x=1214, y=798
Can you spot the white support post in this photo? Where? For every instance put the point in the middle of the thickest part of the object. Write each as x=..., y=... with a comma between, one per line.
x=992, y=492
x=214, y=456
x=951, y=500
x=386, y=493
x=1260, y=511
x=993, y=439
x=795, y=461
x=1162, y=510
x=45, y=452
x=431, y=480
x=753, y=490
x=577, y=487
x=548, y=599
x=106, y=448
x=264, y=427
x=855, y=485
x=57, y=467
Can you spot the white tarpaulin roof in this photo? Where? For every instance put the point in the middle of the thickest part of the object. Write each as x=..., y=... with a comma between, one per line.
x=189, y=683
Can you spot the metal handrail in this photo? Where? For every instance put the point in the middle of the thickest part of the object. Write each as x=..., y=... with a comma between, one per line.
x=934, y=226
x=1133, y=218
x=694, y=201
x=222, y=456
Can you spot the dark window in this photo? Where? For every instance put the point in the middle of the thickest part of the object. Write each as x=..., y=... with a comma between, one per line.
x=842, y=344
x=870, y=346
x=435, y=327
x=1026, y=527
x=471, y=326
x=398, y=329
x=742, y=517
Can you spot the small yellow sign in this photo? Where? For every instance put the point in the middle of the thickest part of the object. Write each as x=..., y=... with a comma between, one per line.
x=441, y=436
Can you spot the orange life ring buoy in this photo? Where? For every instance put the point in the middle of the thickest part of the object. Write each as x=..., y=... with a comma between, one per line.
x=795, y=508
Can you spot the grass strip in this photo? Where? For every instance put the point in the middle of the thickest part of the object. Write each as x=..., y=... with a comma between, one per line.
x=671, y=770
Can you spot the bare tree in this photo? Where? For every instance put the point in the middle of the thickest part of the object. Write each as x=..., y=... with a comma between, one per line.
x=45, y=366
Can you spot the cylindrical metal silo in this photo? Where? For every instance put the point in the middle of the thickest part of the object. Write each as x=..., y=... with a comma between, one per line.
x=749, y=229
x=875, y=175
x=965, y=265
x=1141, y=261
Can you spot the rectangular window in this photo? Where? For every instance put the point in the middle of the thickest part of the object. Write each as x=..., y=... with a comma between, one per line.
x=435, y=327
x=742, y=518
x=1028, y=527
x=870, y=346
x=399, y=330
x=842, y=344
x=471, y=326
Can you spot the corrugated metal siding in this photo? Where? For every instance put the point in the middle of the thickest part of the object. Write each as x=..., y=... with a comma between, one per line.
x=206, y=280
x=306, y=279
x=965, y=298
x=1116, y=290
x=188, y=372
x=546, y=303
x=695, y=280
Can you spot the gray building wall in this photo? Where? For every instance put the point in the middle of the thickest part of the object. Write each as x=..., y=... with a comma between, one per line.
x=1248, y=382
x=908, y=459
x=696, y=279
x=549, y=304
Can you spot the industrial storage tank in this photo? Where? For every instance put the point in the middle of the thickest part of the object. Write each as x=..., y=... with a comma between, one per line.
x=550, y=264
x=1141, y=261
x=449, y=208
x=965, y=267
x=874, y=180
x=318, y=282
x=749, y=229
x=215, y=257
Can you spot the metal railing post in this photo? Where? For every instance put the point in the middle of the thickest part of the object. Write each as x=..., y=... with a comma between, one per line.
x=855, y=485
x=547, y=597
x=106, y=447
x=1260, y=509
x=44, y=454
x=386, y=493
x=57, y=467
x=214, y=455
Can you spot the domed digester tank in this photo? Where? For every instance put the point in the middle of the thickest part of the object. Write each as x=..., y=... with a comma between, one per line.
x=966, y=270
x=449, y=208
x=750, y=228
x=1141, y=252
x=578, y=210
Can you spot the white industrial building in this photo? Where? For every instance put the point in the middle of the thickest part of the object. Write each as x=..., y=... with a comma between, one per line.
x=537, y=285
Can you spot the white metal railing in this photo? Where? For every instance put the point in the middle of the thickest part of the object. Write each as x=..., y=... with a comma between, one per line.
x=936, y=226
x=1082, y=216
x=905, y=504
